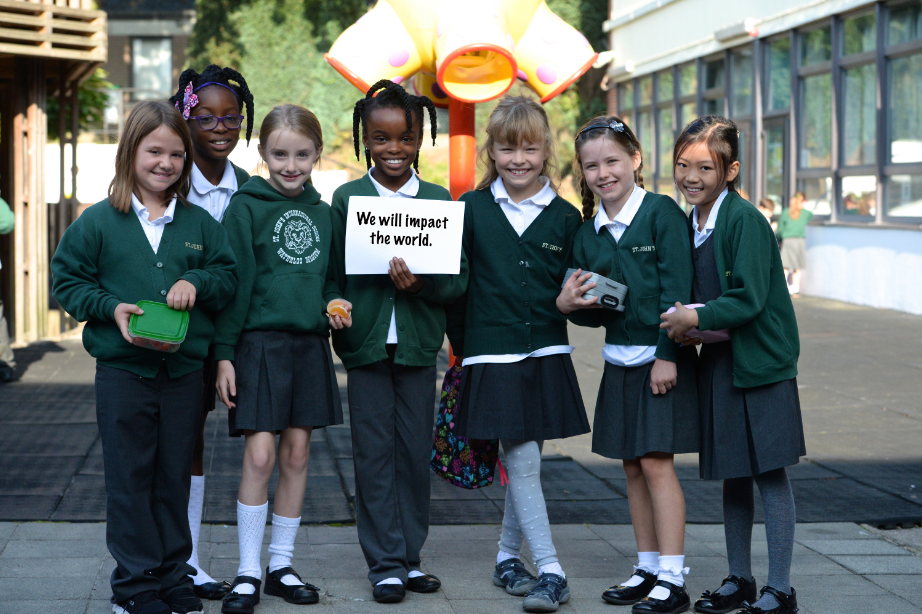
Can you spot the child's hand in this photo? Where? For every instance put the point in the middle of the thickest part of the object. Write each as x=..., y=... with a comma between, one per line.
x=181, y=296
x=663, y=376
x=226, y=385
x=679, y=321
x=571, y=295
x=122, y=314
x=403, y=278
x=338, y=322
x=687, y=341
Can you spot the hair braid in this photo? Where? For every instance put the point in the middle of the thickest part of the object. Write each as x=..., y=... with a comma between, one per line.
x=588, y=198
x=433, y=115
x=356, y=122
x=245, y=94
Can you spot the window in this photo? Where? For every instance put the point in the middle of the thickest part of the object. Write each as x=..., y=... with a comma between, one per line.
x=714, y=73
x=859, y=197
x=667, y=137
x=818, y=193
x=816, y=122
x=741, y=77
x=688, y=80
x=859, y=34
x=151, y=68
x=715, y=79
x=665, y=131
x=859, y=97
x=645, y=136
x=627, y=99
x=689, y=112
x=905, y=23
x=816, y=46
x=905, y=112
x=904, y=196
x=664, y=91
x=778, y=94
x=646, y=91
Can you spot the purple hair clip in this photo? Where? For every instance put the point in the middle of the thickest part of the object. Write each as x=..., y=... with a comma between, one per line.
x=189, y=100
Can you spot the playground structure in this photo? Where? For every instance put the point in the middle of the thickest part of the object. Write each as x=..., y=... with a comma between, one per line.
x=459, y=53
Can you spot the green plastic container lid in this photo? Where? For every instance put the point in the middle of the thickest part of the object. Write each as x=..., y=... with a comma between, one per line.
x=159, y=322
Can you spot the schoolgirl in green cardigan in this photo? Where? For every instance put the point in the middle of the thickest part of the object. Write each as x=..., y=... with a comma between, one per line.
x=145, y=242
x=390, y=352
x=213, y=103
x=647, y=408
x=518, y=383
x=751, y=427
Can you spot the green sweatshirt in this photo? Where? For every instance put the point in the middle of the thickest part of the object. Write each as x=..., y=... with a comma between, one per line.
x=105, y=259
x=510, y=305
x=789, y=228
x=283, y=251
x=653, y=259
x=755, y=304
x=420, y=317
x=7, y=218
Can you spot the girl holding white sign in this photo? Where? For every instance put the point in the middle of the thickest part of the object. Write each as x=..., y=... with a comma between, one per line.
x=518, y=383
x=390, y=354
x=647, y=409
x=275, y=368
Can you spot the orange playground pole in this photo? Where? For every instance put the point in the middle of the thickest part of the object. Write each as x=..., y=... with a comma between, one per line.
x=462, y=155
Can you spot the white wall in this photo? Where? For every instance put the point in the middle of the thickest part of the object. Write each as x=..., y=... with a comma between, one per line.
x=877, y=267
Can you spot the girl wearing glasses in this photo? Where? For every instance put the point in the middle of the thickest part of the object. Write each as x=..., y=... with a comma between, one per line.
x=212, y=105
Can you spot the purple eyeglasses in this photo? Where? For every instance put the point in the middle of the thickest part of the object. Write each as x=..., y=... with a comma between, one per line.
x=210, y=122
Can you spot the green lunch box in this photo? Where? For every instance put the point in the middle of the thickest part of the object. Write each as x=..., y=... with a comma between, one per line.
x=159, y=327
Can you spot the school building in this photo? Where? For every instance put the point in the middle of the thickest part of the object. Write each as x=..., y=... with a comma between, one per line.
x=827, y=95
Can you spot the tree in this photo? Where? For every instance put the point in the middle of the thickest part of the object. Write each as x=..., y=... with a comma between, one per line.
x=92, y=100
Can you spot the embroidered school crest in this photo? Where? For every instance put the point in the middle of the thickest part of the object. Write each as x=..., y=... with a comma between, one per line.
x=296, y=234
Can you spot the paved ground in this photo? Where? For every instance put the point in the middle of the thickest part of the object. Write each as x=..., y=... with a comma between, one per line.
x=860, y=384
x=839, y=568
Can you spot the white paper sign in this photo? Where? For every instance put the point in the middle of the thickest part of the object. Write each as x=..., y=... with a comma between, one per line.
x=425, y=233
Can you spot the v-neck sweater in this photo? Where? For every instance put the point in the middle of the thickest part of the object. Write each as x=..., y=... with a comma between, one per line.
x=510, y=303
x=653, y=259
x=420, y=317
x=104, y=258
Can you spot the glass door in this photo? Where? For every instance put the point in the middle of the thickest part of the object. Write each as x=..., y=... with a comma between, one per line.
x=774, y=157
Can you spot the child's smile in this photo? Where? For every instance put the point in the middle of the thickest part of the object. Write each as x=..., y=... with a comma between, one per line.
x=218, y=143
x=290, y=157
x=392, y=147
x=520, y=167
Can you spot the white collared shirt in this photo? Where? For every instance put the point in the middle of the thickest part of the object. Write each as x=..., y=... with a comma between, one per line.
x=624, y=355
x=213, y=198
x=520, y=216
x=153, y=230
x=702, y=236
x=408, y=190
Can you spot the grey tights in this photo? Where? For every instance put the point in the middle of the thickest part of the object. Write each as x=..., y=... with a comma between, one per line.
x=525, y=517
x=739, y=509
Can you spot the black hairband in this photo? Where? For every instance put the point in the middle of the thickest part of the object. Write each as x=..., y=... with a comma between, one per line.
x=616, y=126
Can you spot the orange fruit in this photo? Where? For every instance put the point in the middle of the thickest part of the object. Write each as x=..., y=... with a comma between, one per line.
x=337, y=307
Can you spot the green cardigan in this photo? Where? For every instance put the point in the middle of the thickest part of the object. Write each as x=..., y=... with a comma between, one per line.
x=105, y=259
x=755, y=304
x=510, y=305
x=282, y=247
x=653, y=259
x=420, y=317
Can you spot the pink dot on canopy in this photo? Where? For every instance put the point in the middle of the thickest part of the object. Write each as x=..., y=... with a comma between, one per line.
x=437, y=91
x=398, y=79
x=522, y=75
x=547, y=74
x=398, y=57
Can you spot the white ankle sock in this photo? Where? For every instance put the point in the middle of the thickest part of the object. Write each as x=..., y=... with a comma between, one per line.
x=502, y=555
x=415, y=573
x=390, y=581
x=671, y=569
x=284, y=532
x=648, y=561
x=251, y=526
x=552, y=568
x=196, y=501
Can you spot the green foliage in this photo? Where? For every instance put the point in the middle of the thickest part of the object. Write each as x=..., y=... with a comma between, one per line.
x=91, y=102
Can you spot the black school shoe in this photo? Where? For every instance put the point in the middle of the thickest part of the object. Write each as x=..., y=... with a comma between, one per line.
x=237, y=603
x=629, y=595
x=788, y=603
x=184, y=601
x=389, y=593
x=715, y=603
x=212, y=591
x=550, y=591
x=299, y=594
x=147, y=602
x=512, y=575
x=677, y=601
x=424, y=584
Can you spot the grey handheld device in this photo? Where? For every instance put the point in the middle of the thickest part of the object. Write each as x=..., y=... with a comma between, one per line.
x=611, y=294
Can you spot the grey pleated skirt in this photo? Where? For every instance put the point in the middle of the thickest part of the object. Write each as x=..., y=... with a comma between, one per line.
x=631, y=421
x=284, y=379
x=794, y=253
x=745, y=431
x=532, y=400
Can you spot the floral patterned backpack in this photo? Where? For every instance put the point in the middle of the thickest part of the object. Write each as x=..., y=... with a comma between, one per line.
x=466, y=463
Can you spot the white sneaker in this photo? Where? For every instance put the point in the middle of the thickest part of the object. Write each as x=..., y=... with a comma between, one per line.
x=795, y=289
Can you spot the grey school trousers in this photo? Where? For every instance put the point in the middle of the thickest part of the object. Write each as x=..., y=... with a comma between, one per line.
x=148, y=427
x=392, y=410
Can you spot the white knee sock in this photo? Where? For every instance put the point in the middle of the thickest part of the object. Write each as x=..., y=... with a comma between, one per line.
x=502, y=555
x=196, y=501
x=251, y=526
x=671, y=569
x=648, y=561
x=284, y=532
x=552, y=568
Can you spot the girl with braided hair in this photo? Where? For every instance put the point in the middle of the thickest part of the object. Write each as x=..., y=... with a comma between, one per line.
x=647, y=405
x=390, y=352
x=212, y=104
